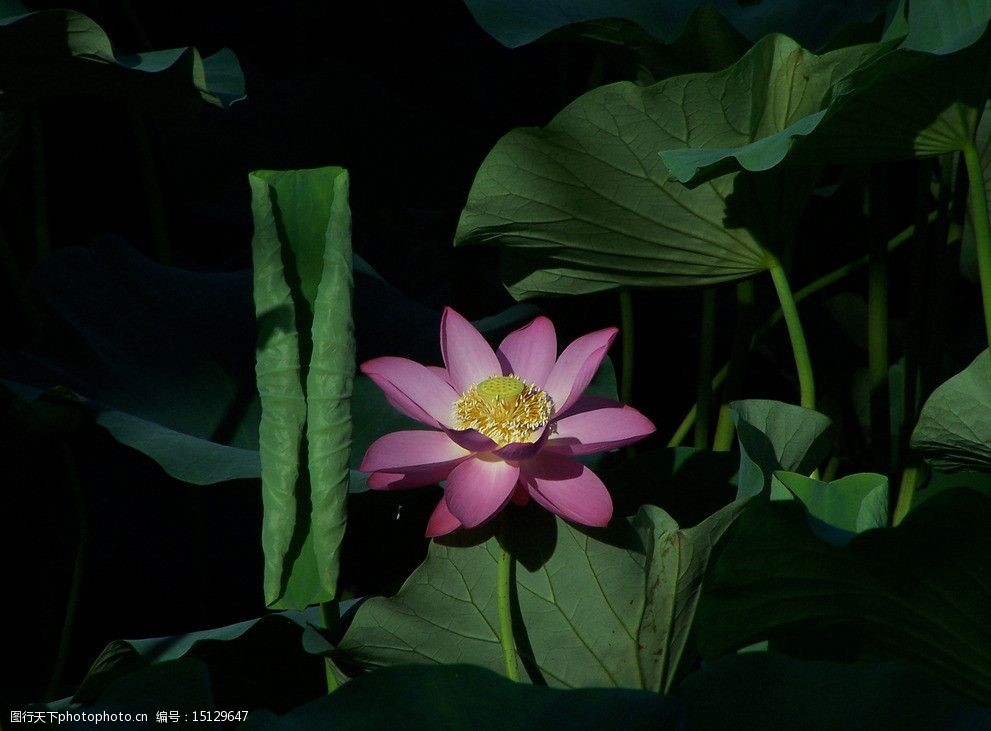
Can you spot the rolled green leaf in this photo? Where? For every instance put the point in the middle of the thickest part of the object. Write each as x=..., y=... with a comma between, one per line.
x=305, y=374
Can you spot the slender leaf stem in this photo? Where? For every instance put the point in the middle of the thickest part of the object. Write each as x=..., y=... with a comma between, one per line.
x=504, y=592
x=804, y=293
x=626, y=322
x=911, y=477
x=982, y=231
x=707, y=347
x=800, y=349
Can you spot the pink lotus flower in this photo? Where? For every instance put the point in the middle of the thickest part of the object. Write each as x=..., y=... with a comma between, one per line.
x=504, y=425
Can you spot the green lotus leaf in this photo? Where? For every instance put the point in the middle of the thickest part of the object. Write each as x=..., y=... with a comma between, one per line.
x=517, y=22
x=838, y=510
x=785, y=102
x=917, y=593
x=585, y=204
x=776, y=436
x=954, y=428
x=591, y=613
x=57, y=52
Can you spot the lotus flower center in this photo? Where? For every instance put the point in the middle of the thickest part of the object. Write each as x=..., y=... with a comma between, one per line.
x=506, y=409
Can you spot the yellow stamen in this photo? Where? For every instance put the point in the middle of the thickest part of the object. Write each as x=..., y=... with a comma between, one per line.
x=506, y=409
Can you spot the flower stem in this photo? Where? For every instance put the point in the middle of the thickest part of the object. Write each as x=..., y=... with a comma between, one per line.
x=803, y=364
x=504, y=593
x=982, y=233
x=626, y=321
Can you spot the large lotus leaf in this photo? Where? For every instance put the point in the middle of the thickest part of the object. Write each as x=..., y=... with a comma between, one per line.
x=776, y=436
x=591, y=614
x=463, y=697
x=954, y=429
x=839, y=510
x=918, y=592
x=517, y=22
x=122, y=657
x=585, y=204
x=928, y=91
x=771, y=692
x=56, y=52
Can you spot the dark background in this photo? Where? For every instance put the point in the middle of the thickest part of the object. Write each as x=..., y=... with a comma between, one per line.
x=409, y=97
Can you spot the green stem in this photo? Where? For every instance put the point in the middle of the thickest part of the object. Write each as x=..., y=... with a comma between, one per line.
x=982, y=232
x=626, y=321
x=804, y=293
x=707, y=346
x=911, y=477
x=72, y=601
x=504, y=592
x=877, y=324
x=800, y=349
x=329, y=612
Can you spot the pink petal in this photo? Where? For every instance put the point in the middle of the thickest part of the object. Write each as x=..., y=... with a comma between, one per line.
x=469, y=359
x=409, y=477
x=576, y=367
x=530, y=351
x=598, y=425
x=413, y=389
x=518, y=451
x=401, y=449
x=478, y=489
x=442, y=372
x=567, y=488
x=441, y=521
x=471, y=439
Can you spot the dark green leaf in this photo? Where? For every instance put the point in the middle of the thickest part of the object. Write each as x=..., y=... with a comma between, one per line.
x=787, y=102
x=917, y=593
x=592, y=613
x=838, y=510
x=771, y=692
x=55, y=52
x=517, y=22
x=776, y=436
x=585, y=204
x=465, y=697
x=954, y=429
